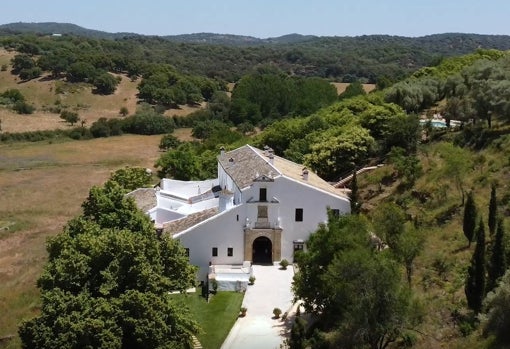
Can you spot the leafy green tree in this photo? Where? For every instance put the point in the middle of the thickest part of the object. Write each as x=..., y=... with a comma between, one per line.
x=107, y=282
x=131, y=178
x=148, y=122
x=354, y=89
x=105, y=84
x=124, y=111
x=496, y=317
x=498, y=262
x=409, y=246
x=21, y=107
x=407, y=165
x=22, y=62
x=353, y=288
x=82, y=72
x=338, y=150
x=69, y=116
x=475, y=287
x=493, y=211
x=469, y=221
x=29, y=74
x=457, y=164
x=389, y=220
x=13, y=95
x=181, y=163
x=169, y=141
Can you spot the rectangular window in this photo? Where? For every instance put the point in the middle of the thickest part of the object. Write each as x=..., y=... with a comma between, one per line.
x=215, y=251
x=237, y=218
x=263, y=194
x=186, y=252
x=230, y=251
x=299, y=214
x=335, y=212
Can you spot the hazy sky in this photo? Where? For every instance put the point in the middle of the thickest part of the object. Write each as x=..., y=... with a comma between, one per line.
x=269, y=18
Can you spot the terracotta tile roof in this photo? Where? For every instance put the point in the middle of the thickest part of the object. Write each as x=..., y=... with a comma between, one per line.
x=184, y=223
x=247, y=163
x=145, y=198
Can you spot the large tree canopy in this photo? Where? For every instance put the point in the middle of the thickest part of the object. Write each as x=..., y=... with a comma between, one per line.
x=353, y=289
x=107, y=282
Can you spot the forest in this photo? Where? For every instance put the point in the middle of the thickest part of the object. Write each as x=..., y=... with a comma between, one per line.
x=434, y=278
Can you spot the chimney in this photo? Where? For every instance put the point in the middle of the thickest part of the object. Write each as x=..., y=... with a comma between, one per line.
x=271, y=158
x=222, y=151
x=305, y=173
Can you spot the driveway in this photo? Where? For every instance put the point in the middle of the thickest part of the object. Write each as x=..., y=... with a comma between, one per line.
x=258, y=329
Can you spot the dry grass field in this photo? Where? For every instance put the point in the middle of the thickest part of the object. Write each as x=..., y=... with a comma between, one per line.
x=77, y=97
x=42, y=186
x=341, y=86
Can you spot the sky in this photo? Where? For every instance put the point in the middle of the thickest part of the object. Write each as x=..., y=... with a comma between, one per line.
x=269, y=18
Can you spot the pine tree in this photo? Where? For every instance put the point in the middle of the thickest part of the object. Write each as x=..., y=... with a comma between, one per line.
x=475, y=282
x=469, y=222
x=498, y=263
x=354, y=194
x=493, y=211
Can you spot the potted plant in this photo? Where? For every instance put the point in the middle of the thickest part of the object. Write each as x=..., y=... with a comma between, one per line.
x=243, y=311
x=284, y=264
x=251, y=280
x=277, y=312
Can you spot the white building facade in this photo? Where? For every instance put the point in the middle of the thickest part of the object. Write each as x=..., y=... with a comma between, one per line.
x=261, y=209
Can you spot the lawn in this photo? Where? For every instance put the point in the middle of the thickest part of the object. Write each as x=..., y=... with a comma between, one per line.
x=216, y=318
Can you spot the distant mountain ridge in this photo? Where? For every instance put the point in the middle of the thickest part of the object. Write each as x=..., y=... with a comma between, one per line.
x=469, y=42
x=49, y=28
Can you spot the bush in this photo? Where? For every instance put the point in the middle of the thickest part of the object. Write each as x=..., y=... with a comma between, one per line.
x=123, y=111
x=277, y=312
x=214, y=285
x=252, y=280
x=284, y=264
x=23, y=108
x=13, y=95
x=69, y=116
x=148, y=123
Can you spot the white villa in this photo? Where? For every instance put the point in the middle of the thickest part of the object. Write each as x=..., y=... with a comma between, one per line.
x=260, y=209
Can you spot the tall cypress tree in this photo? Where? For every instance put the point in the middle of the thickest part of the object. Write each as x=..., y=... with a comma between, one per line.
x=354, y=194
x=475, y=282
x=493, y=211
x=498, y=263
x=469, y=222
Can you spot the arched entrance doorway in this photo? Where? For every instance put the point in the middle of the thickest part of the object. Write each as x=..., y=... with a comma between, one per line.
x=262, y=250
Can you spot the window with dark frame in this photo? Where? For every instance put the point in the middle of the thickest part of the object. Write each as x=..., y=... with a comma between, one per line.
x=263, y=194
x=299, y=214
x=215, y=251
x=335, y=212
x=230, y=251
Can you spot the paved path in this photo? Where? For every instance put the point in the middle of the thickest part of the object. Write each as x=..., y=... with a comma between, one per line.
x=258, y=330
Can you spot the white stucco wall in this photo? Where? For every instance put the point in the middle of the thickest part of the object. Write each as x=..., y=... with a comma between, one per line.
x=227, y=228
x=291, y=195
x=221, y=231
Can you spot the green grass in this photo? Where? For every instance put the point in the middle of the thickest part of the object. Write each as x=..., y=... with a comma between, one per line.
x=216, y=318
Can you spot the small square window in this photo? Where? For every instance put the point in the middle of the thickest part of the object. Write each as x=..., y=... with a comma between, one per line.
x=299, y=214
x=215, y=251
x=230, y=251
x=335, y=212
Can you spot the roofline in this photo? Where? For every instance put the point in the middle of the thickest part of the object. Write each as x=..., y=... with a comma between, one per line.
x=339, y=196
x=179, y=234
